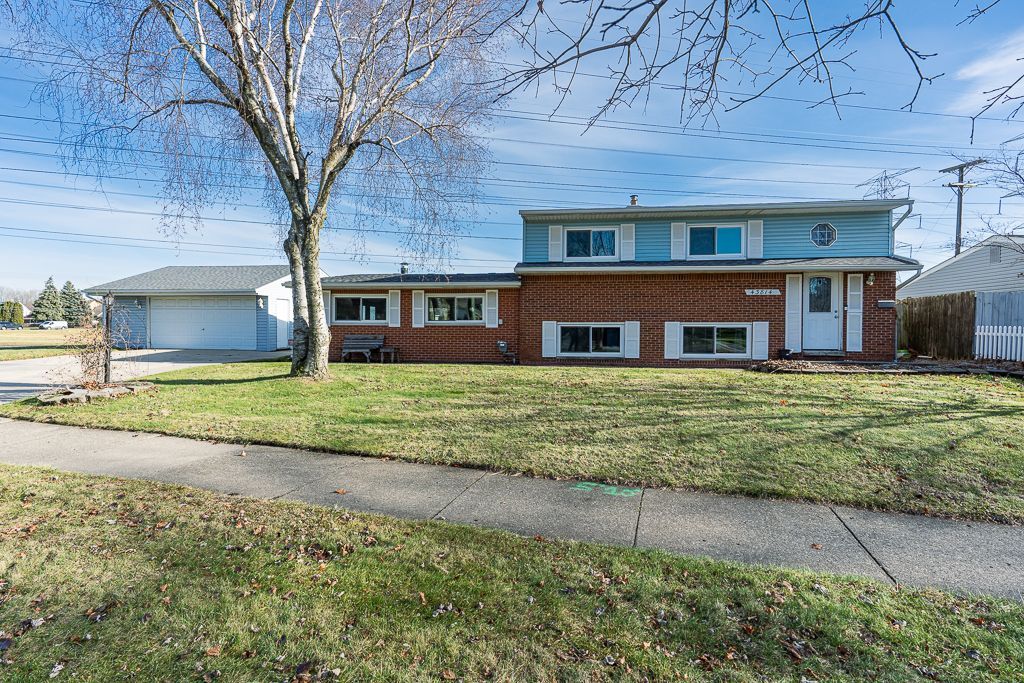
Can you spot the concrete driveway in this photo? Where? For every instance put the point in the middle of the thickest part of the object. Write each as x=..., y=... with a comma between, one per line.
x=23, y=378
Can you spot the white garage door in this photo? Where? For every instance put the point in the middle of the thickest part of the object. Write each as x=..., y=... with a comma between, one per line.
x=202, y=322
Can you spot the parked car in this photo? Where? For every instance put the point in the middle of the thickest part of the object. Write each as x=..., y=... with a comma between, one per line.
x=5, y=325
x=53, y=325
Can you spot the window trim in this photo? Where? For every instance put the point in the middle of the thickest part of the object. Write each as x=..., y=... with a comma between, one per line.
x=709, y=356
x=358, y=295
x=741, y=254
x=455, y=295
x=621, y=353
x=591, y=228
x=810, y=235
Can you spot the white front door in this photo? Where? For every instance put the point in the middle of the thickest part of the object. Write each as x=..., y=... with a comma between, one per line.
x=284, y=317
x=821, y=311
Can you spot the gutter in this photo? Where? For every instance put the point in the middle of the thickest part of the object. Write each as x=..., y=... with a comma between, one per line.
x=803, y=268
x=364, y=286
x=170, y=292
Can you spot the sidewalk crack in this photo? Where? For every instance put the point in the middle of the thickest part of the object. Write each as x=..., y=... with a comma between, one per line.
x=861, y=544
x=459, y=495
x=639, y=513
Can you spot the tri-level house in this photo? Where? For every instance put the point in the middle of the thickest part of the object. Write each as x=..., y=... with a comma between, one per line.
x=671, y=286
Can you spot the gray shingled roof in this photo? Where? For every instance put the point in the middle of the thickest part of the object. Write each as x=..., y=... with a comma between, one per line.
x=845, y=262
x=186, y=279
x=420, y=279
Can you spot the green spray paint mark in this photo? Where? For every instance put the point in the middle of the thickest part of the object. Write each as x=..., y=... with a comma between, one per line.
x=607, y=489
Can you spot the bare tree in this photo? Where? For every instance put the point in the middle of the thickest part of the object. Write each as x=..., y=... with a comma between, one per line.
x=1005, y=171
x=374, y=104
x=697, y=47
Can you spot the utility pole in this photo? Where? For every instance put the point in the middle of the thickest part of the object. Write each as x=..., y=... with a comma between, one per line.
x=959, y=187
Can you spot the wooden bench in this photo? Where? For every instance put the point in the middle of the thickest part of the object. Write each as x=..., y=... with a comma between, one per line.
x=365, y=344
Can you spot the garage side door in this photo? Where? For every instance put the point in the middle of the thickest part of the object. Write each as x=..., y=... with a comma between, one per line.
x=203, y=322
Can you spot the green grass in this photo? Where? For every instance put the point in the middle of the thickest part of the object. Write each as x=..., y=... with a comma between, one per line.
x=32, y=343
x=945, y=445
x=141, y=581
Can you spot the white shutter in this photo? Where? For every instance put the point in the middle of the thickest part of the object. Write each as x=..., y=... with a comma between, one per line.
x=632, y=345
x=554, y=243
x=627, y=238
x=855, y=312
x=755, y=239
x=394, y=308
x=678, y=241
x=418, y=306
x=760, y=343
x=794, y=312
x=328, y=313
x=549, y=335
x=671, y=340
x=491, y=308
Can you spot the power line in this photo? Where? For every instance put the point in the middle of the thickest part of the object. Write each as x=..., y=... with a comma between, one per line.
x=210, y=244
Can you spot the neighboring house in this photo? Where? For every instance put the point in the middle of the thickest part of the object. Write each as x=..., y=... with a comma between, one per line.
x=673, y=286
x=993, y=265
x=202, y=307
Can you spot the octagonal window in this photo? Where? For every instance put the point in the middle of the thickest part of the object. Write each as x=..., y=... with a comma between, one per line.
x=823, y=235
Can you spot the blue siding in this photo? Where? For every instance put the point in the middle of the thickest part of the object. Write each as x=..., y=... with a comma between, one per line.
x=535, y=243
x=653, y=241
x=263, y=319
x=128, y=321
x=863, y=234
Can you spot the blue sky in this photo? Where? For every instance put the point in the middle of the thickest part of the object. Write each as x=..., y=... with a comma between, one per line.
x=772, y=150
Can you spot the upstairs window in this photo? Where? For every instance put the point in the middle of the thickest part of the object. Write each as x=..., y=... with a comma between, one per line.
x=455, y=309
x=823, y=235
x=590, y=243
x=715, y=241
x=360, y=309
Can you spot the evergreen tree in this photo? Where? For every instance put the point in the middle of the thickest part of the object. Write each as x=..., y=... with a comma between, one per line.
x=48, y=305
x=17, y=313
x=7, y=312
x=73, y=304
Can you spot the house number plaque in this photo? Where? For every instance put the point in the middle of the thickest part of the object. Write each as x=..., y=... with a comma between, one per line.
x=763, y=292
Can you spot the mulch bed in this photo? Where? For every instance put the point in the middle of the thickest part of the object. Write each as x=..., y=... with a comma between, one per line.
x=909, y=367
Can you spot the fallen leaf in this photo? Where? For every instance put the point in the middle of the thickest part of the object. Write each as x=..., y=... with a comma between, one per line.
x=423, y=598
x=815, y=546
x=340, y=492
x=448, y=675
x=213, y=651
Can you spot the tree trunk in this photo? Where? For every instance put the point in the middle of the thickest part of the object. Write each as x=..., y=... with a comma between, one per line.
x=300, y=308
x=318, y=337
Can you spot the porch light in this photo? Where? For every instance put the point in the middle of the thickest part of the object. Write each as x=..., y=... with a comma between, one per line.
x=871, y=279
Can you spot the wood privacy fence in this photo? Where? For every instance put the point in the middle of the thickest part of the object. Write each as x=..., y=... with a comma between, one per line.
x=938, y=326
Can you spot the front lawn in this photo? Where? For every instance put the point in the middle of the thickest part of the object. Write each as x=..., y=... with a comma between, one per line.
x=104, y=579
x=939, y=444
x=33, y=343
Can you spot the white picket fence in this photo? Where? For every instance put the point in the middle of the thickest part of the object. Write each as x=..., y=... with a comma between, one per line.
x=999, y=342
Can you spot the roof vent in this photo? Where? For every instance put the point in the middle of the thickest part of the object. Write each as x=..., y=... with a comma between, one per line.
x=404, y=268
x=634, y=200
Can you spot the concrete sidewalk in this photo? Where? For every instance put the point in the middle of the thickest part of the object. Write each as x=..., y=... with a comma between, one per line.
x=894, y=548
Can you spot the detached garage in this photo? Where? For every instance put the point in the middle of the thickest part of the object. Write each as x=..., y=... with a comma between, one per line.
x=202, y=307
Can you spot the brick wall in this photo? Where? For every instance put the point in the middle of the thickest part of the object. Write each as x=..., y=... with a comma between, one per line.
x=656, y=298
x=651, y=299
x=439, y=343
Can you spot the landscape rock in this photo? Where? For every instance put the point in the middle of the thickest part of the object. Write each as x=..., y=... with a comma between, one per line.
x=86, y=394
